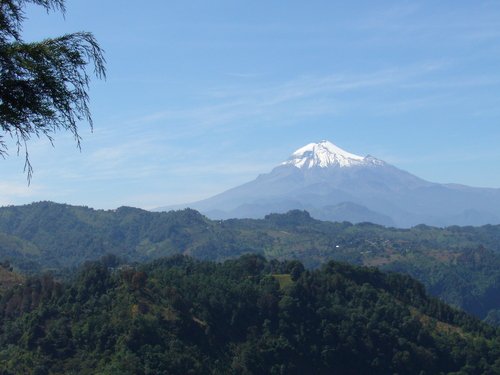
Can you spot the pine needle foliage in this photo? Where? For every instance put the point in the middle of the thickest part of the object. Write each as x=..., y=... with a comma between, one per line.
x=43, y=85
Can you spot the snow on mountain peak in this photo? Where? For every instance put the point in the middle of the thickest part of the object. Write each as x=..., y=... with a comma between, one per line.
x=325, y=154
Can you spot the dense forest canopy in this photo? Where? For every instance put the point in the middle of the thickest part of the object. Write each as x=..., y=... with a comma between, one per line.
x=244, y=316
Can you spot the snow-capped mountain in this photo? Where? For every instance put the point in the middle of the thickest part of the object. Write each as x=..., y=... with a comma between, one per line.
x=325, y=154
x=333, y=184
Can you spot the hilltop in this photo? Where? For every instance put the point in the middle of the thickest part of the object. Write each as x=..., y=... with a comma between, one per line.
x=180, y=316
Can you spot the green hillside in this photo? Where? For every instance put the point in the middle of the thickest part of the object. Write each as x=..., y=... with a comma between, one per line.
x=182, y=316
x=459, y=264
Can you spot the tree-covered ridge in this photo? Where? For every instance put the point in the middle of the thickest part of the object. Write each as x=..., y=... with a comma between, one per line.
x=459, y=264
x=57, y=235
x=182, y=316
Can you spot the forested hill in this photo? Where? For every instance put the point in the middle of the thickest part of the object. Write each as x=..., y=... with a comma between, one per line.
x=58, y=235
x=459, y=264
x=244, y=316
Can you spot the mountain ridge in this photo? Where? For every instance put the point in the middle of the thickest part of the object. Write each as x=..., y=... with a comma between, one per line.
x=49, y=236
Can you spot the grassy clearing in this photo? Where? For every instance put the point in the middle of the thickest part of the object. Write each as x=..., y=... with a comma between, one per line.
x=284, y=279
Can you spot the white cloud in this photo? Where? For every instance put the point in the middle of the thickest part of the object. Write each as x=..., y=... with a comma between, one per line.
x=16, y=192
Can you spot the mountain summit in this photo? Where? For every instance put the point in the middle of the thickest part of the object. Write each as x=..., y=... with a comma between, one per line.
x=333, y=184
x=325, y=154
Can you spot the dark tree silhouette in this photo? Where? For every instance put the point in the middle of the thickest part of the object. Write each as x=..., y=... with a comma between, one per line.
x=43, y=85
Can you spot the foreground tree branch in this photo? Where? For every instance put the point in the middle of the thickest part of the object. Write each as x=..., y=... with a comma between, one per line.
x=43, y=85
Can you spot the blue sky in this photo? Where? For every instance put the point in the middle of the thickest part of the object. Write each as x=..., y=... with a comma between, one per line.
x=202, y=96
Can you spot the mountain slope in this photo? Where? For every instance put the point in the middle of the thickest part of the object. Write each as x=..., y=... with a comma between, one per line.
x=321, y=174
x=180, y=316
x=461, y=265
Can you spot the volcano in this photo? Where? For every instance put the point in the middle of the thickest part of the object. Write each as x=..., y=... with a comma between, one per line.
x=333, y=184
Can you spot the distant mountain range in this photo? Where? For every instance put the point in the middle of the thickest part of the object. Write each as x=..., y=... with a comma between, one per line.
x=333, y=184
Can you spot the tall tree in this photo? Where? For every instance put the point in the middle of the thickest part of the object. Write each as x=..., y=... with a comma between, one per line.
x=43, y=85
